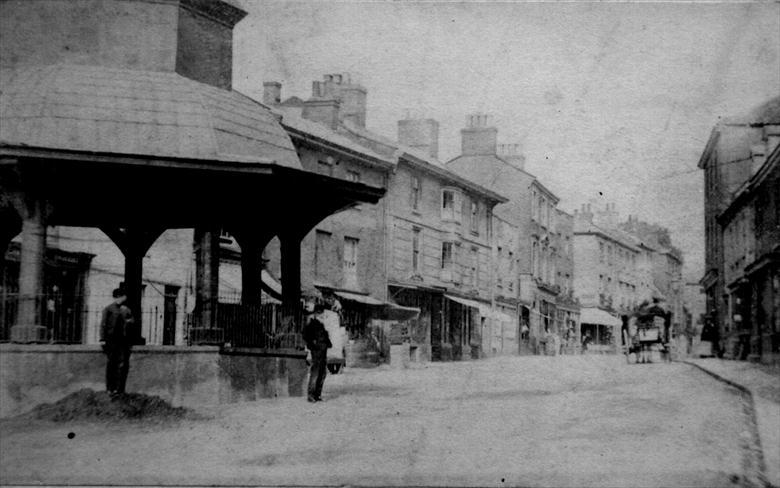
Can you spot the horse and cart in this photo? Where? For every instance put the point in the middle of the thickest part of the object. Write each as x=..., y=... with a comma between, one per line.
x=647, y=332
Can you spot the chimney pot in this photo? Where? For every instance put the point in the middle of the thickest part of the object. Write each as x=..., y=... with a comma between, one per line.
x=477, y=138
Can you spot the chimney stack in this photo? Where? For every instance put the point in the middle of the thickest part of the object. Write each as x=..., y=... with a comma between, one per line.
x=512, y=154
x=272, y=93
x=585, y=213
x=478, y=138
x=323, y=110
x=351, y=97
x=421, y=134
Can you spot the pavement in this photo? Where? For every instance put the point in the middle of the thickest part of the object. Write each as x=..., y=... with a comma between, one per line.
x=567, y=421
x=763, y=384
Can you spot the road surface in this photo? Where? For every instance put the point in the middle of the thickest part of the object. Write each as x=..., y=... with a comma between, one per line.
x=527, y=421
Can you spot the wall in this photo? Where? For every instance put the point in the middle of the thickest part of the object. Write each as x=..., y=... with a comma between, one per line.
x=30, y=375
x=587, y=269
x=434, y=231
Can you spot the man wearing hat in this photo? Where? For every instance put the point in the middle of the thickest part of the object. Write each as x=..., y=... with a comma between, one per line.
x=116, y=335
x=318, y=343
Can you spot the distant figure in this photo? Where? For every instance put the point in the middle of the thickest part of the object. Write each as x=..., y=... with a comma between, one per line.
x=524, y=332
x=586, y=341
x=709, y=337
x=116, y=336
x=550, y=342
x=318, y=342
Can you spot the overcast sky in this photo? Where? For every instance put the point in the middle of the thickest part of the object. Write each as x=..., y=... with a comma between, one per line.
x=612, y=102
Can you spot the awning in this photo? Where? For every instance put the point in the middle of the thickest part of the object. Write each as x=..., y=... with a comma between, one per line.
x=484, y=309
x=270, y=285
x=356, y=297
x=599, y=317
x=379, y=309
x=391, y=311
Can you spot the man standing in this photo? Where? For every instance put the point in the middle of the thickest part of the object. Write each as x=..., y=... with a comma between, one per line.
x=116, y=335
x=318, y=342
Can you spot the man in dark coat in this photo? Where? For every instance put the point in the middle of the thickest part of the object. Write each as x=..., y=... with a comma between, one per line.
x=116, y=334
x=318, y=342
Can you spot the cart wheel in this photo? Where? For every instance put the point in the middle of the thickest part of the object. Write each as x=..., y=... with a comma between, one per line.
x=334, y=368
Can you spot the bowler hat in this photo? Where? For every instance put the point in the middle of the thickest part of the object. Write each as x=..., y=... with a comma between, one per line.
x=120, y=292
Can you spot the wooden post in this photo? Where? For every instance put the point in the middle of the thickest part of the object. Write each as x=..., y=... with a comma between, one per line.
x=134, y=287
x=206, y=330
x=134, y=242
x=29, y=327
x=252, y=244
x=291, y=272
x=206, y=277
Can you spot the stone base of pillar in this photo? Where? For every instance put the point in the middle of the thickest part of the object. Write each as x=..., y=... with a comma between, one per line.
x=27, y=334
x=207, y=336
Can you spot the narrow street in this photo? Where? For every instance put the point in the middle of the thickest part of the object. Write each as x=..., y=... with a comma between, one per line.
x=528, y=421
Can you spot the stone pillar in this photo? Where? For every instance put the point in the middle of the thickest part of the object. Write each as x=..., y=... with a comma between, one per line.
x=206, y=330
x=29, y=327
x=291, y=273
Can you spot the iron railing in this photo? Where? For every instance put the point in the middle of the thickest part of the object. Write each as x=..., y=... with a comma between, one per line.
x=75, y=319
x=268, y=325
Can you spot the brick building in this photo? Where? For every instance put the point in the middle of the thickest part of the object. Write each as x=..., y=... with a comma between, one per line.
x=751, y=242
x=531, y=212
x=428, y=243
x=739, y=233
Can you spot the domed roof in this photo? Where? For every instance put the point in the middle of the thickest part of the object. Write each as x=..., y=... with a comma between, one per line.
x=131, y=112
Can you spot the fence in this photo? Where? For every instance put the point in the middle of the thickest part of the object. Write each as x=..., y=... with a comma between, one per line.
x=267, y=325
x=63, y=316
x=69, y=319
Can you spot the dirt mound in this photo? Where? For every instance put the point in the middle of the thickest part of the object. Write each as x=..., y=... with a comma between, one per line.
x=88, y=404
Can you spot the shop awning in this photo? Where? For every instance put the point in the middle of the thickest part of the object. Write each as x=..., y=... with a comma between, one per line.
x=599, y=317
x=391, y=311
x=484, y=309
x=379, y=309
x=356, y=297
x=270, y=285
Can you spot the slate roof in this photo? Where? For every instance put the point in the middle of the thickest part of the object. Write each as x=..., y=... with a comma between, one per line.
x=131, y=112
x=291, y=118
x=623, y=238
x=420, y=158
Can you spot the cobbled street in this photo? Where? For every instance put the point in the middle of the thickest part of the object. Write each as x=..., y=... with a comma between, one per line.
x=529, y=421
